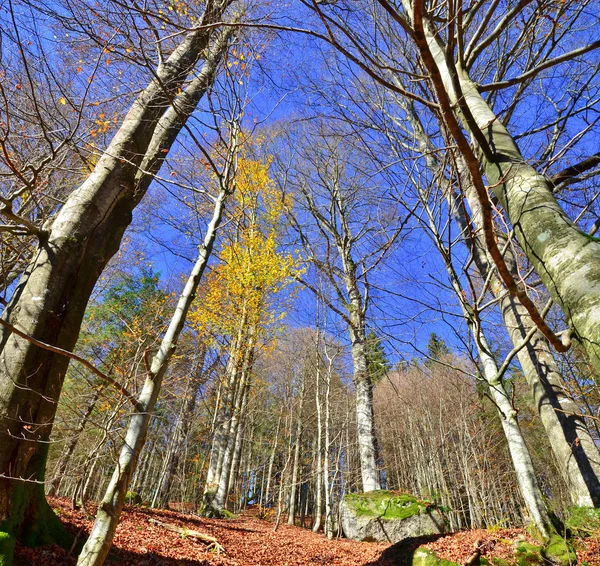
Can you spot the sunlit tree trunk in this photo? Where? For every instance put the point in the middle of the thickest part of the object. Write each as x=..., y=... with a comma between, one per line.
x=100, y=540
x=566, y=259
x=53, y=293
x=318, y=503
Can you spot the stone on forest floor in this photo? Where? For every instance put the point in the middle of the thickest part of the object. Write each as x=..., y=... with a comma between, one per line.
x=388, y=516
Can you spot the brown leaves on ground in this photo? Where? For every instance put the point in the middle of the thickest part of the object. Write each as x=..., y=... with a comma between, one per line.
x=249, y=541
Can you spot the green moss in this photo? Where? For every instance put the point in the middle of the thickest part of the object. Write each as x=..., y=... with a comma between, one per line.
x=386, y=504
x=529, y=555
x=133, y=498
x=7, y=547
x=424, y=557
x=558, y=551
x=583, y=521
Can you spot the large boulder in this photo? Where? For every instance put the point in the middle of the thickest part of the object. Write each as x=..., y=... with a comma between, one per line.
x=389, y=516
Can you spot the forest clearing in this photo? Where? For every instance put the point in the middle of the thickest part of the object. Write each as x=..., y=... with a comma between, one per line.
x=323, y=274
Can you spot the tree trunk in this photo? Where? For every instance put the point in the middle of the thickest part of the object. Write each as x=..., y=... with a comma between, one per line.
x=364, y=414
x=318, y=504
x=100, y=540
x=566, y=258
x=53, y=293
x=298, y=441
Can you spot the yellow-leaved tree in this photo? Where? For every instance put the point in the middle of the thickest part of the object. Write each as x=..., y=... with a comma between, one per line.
x=244, y=299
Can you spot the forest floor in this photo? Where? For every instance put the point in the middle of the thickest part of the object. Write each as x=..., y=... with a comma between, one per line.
x=250, y=541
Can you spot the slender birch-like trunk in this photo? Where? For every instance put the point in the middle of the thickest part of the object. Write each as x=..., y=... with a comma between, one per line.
x=318, y=504
x=328, y=494
x=100, y=540
x=50, y=300
x=296, y=463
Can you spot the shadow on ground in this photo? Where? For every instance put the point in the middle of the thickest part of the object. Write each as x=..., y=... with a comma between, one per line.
x=401, y=553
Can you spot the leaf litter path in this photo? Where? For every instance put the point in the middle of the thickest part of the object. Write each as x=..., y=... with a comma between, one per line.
x=249, y=541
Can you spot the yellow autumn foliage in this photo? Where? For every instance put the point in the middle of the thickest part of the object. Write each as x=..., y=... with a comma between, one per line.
x=247, y=283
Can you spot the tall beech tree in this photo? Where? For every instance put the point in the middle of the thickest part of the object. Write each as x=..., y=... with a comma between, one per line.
x=50, y=299
x=243, y=303
x=458, y=53
x=345, y=240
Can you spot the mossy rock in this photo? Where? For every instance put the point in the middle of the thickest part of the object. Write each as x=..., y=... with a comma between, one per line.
x=386, y=504
x=424, y=557
x=133, y=498
x=583, y=521
x=389, y=516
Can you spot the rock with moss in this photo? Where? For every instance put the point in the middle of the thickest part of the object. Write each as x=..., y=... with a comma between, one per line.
x=583, y=521
x=388, y=516
x=133, y=498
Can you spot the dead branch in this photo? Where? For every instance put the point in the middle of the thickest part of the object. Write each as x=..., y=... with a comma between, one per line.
x=210, y=542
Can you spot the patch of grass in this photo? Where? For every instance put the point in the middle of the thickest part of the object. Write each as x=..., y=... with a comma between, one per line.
x=583, y=521
x=529, y=555
x=558, y=551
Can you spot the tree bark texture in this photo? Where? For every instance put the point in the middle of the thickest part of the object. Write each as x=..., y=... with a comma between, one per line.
x=109, y=511
x=51, y=297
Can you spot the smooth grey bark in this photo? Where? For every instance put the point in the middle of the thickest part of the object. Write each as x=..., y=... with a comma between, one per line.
x=566, y=258
x=296, y=463
x=53, y=293
x=100, y=540
x=575, y=451
x=318, y=505
x=327, y=445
